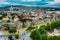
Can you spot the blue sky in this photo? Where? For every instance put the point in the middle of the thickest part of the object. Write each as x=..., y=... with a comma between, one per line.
x=40, y=3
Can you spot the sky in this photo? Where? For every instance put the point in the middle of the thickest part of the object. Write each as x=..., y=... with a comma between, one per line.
x=40, y=3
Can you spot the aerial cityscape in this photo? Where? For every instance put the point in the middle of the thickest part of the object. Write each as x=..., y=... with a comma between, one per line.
x=29, y=20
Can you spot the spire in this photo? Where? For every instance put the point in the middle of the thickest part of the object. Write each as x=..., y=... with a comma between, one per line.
x=11, y=8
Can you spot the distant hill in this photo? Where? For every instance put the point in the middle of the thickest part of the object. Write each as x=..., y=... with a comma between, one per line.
x=34, y=7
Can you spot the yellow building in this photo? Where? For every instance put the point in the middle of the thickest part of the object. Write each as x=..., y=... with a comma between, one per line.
x=5, y=18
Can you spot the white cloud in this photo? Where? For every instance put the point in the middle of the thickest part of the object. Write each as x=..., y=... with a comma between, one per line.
x=54, y=2
x=3, y=2
x=31, y=0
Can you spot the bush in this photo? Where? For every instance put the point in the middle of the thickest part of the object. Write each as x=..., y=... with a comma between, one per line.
x=17, y=36
x=10, y=37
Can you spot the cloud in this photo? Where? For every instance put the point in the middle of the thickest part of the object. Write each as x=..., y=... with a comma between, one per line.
x=4, y=2
x=54, y=2
x=30, y=0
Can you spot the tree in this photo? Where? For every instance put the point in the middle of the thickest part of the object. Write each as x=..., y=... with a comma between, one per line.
x=49, y=27
x=44, y=37
x=42, y=31
x=10, y=37
x=56, y=24
x=8, y=21
x=7, y=27
x=32, y=23
x=35, y=35
x=3, y=15
x=43, y=26
x=13, y=30
x=54, y=37
x=23, y=21
x=30, y=28
x=17, y=36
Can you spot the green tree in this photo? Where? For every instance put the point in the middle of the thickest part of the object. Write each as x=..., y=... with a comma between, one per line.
x=35, y=35
x=7, y=27
x=42, y=31
x=10, y=37
x=8, y=21
x=4, y=15
x=23, y=22
x=54, y=38
x=43, y=26
x=12, y=30
x=55, y=24
x=30, y=28
x=17, y=36
x=44, y=37
x=49, y=27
